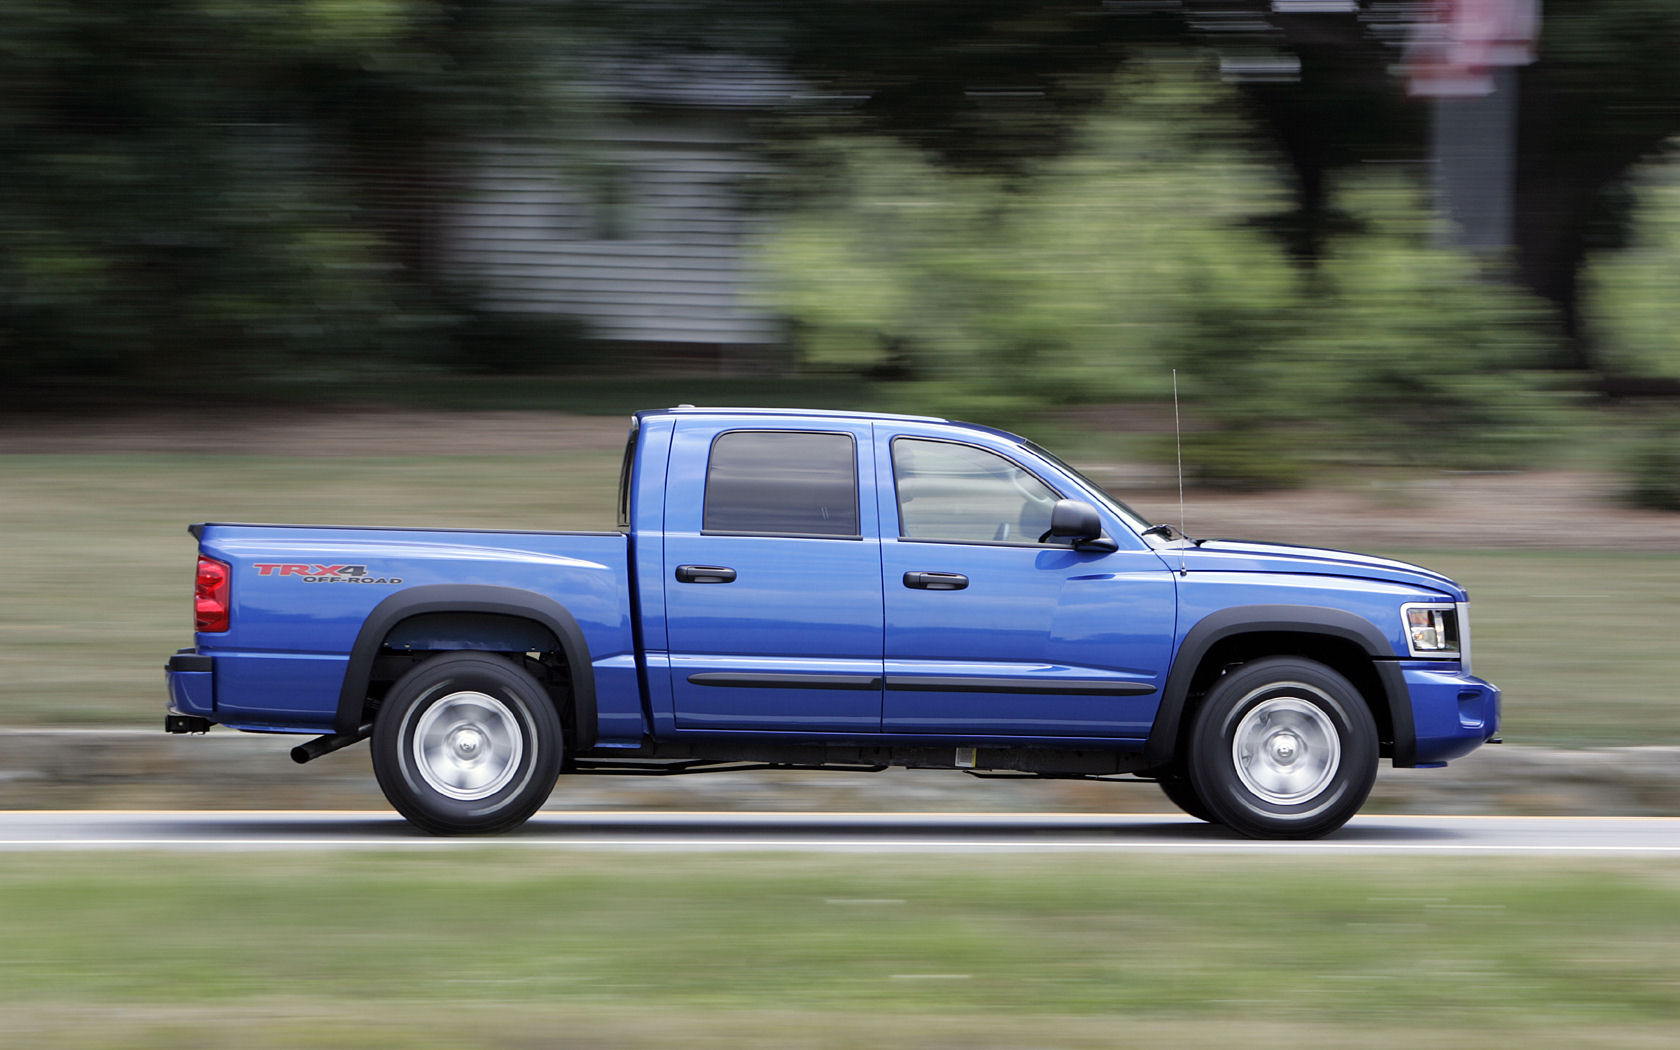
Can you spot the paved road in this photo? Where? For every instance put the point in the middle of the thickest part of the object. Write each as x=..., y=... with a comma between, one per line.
x=857, y=832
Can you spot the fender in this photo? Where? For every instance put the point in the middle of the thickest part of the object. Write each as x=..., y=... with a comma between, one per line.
x=469, y=598
x=1294, y=619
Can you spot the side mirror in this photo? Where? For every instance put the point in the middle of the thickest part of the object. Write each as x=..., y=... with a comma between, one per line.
x=1076, y=520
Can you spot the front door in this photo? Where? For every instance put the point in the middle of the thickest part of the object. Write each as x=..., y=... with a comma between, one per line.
x=774, y=599
x=991, y=631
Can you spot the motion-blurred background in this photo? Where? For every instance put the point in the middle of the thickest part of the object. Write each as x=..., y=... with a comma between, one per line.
x=411, y=261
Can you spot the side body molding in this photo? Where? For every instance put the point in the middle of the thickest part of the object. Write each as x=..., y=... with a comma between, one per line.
x=470, y=598
x=1291, y=619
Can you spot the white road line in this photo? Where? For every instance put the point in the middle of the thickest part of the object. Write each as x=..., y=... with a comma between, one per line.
x=769, y=832
x=827, y=845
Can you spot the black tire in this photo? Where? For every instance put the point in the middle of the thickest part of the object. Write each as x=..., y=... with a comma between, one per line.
x=1283, y=748
x=467, y=744
x=1179, y=791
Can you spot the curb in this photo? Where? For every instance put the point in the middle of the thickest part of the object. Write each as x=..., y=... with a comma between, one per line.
x=146, y=769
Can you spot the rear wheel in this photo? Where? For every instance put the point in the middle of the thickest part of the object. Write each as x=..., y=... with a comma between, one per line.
x=467, y=743
x=1283, y=747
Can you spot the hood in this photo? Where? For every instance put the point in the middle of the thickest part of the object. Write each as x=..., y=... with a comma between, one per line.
x=1242, y=556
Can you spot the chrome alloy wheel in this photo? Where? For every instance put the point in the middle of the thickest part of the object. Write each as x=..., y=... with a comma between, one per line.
x=1286, y=750
x=468, y=746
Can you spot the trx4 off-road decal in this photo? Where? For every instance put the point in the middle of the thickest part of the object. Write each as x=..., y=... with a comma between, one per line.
x=322, y=573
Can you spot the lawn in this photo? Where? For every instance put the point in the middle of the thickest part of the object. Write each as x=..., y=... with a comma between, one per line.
x=96, y=571
x=95, y=580
x=503, y=947
x=1583, y=643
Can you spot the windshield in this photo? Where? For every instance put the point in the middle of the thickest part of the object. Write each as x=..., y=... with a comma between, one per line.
x=1131, y=517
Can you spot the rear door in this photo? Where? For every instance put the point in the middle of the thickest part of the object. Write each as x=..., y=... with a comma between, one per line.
x=989, y=630
x=774, y=598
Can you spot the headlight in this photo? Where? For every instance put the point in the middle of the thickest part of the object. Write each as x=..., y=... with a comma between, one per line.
x=1432, y=630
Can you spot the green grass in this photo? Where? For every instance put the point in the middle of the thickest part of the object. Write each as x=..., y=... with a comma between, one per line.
x=96, y=566
x=493, y=946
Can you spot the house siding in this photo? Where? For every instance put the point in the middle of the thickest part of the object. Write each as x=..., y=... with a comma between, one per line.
x=643, y=239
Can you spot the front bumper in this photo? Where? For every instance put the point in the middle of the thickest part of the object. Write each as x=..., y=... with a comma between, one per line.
x=1453, y=712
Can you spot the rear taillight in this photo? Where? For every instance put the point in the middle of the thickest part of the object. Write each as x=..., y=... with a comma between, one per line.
x=210, y=595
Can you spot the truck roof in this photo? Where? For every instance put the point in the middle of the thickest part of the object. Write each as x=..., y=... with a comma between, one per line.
x=826, y=413
x=821, y=413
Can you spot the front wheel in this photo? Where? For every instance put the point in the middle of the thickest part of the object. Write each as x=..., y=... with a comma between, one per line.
x=1283, y=748
x=467, y=743
x=1177, y=788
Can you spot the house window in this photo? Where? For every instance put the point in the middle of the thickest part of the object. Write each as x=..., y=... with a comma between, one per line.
x=612, y=208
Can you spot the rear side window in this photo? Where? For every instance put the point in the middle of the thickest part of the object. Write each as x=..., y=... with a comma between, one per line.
x=782, y=483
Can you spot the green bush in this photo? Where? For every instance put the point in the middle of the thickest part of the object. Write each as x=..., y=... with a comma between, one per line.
x=1651, y=468
x=492, y=343
x=998, y=297
x=1399, y=354
x=1632, y=312
x=1139, y=253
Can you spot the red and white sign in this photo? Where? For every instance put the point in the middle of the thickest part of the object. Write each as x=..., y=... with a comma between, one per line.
x=1457, y=44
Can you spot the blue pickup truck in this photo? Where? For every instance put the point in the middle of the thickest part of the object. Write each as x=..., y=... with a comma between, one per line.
x=825, y=590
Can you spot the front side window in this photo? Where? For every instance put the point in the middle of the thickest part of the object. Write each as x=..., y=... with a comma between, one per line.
x=962, y=493
x=782, y=483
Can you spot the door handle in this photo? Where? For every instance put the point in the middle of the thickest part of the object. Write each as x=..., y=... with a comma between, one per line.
x=705, y=574
x=936, y=581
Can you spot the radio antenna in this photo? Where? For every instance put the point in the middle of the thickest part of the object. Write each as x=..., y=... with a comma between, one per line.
x=1178, y=438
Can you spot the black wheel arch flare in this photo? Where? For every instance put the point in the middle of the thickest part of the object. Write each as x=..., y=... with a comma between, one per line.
x=470, y=598
x=1336, y=624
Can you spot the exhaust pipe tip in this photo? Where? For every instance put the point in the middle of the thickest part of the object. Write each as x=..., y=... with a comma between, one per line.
x=310, y=750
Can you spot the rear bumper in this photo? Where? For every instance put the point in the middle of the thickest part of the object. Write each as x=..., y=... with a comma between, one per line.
x=1453, y=713
x=191, y=677
x=261, y=692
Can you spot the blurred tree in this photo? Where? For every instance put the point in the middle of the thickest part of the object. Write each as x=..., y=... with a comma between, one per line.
x=989, y=85
x=186, y=177
x=1001, y=85
x=1604, y=96
x=236, y=186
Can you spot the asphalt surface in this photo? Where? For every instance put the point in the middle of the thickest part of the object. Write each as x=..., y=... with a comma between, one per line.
x=850, y=832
